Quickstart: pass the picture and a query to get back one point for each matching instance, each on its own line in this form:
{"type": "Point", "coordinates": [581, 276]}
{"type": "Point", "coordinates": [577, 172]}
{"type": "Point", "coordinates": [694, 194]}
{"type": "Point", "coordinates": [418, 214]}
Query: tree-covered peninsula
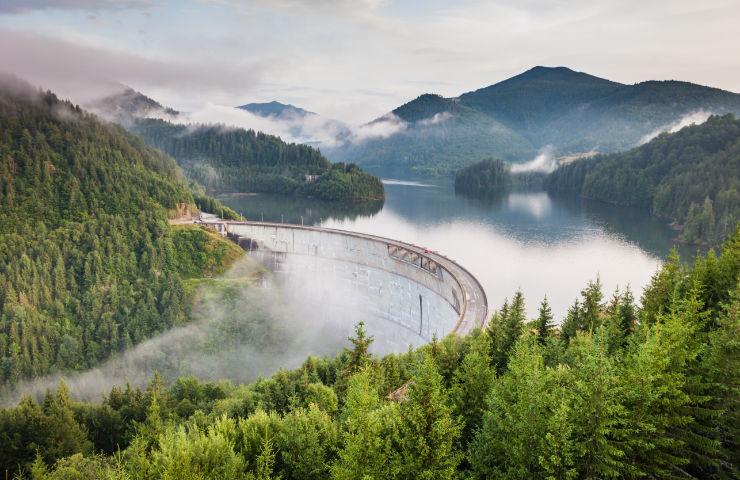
{"type": "Point", "coordinates": [89, 265]}
{"type": "Point", "coordinates": [691, 177]}
{"type": "Point", "coordinates": [236, 160]}
{"type": "Point", "coordinates": [492, 174]}
{"type": "Point", "coordinates": [619, 390]}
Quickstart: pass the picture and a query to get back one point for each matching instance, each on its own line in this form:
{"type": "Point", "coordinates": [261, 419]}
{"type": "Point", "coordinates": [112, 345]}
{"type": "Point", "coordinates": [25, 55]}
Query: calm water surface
{"type": "Point", "coordinates": [542, 243]}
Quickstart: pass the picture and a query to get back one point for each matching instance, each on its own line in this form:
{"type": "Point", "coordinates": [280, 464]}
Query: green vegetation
{"type": "Point", "coordinates": [208, 253]}
{"type": "Point", "coordinates": [492, 174]}
{"type": "Point", "coordinates": [482, 176]}
{"type": "Point", "coordinates": [691, 176]}
{"type": "Point", "coordinates": [572, 112]}
{"type": "Point", "coordinates": [619, 391]}
{"type": "Point", "coordinates": [89, 264]}
{"type": "Point", "coordinates": [439, 137]}
{"type": "Point", "coordinates": [238, 160]}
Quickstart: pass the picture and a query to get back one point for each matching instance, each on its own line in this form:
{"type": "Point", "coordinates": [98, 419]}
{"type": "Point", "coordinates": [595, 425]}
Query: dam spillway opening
{"type": "Point", "coordinates": [405, 295]}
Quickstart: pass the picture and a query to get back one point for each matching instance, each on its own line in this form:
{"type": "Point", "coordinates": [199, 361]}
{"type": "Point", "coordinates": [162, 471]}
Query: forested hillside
{"type": "Point", "coordinates": [439, 136]}
{"type": "Point", "coordinates": [236, 160]}
{"type": "Point", "coordinates": [492, 174]}
{"type": "Point", "coordinates": [558, 108]}
{"type": "Point", "coordinates": [691, 176]}
{"type": "Point", "coordinates": [618, 391]}
{"type": "Point", "coordinates": [89, 264]}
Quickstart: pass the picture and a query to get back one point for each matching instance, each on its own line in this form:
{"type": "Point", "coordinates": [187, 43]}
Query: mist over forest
{"type": "Point", "coordinates": [369, 239]}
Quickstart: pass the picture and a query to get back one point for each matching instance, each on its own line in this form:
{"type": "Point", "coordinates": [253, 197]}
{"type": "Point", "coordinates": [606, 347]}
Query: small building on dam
{"type": "Point", "coordinates": [405, 294]}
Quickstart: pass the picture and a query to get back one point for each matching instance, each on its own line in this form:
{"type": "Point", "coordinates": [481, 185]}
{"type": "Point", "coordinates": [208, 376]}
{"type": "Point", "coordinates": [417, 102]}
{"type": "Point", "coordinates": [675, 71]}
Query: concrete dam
{"type": "Point", "coordinates": [405, 294]}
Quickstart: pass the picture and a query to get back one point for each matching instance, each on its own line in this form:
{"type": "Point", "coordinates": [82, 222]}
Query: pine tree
{"type": "Point", "coordinates": [572, 324]}
{"type": "Point", "coordinates": [64, 436]}
{"type": "Point", "coordinates": [654, 381]}
{"type": "Point", "coordinates": [597, 427]}
{"type": "Point", "coordinates": [307, 444]}
{"type": "Point", "coordinates": [370, 434]}
{"type": "Point", "coordinates": [472, 382]}
{"type": "Point", "coordinates": [505, 329]}
{"type": "Point", "coordinates": [558, 455]}
{"type": "Point", "coordinates": [591, 307]}
{"type": "Point", "coordinates": [428, 430]}
{"type": "Point", "coordinates": [544, 322]}
{"type": "Point", "coordinates": [627, 313]}
{"type": "Point", "coordinates": [721, 365]}
{"type": "Point", "coordinates": [359, 357]}
{"type": "Point", "coordinates": [513, 431]}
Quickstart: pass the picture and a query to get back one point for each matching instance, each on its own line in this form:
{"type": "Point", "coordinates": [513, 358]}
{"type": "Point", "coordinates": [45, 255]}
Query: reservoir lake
{"type": "Point", "coordinates": [536, 241]}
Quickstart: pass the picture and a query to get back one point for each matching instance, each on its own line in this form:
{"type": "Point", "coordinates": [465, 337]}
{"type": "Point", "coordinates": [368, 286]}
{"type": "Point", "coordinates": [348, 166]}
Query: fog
{"type": "Point", "coordinates": [241, 330]}
{"type": "Point", "coordinates": [292, 127]}
{"type": "Point", "coordinates": [693, 118]}
{"type": "Point", "coordinates": [542, 163]}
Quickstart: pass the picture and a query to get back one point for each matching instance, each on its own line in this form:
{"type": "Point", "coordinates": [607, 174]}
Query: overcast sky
{"type": "Point", "coordinates": [355, 60]}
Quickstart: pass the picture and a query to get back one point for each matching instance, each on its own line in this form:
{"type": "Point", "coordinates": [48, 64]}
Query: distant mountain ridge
{"type": "Point", "coordinates": [568, 111]}
{"type": "Point", "coordinates": [565, 111]}
{"type": "Point", "coordinates": [275, 109]}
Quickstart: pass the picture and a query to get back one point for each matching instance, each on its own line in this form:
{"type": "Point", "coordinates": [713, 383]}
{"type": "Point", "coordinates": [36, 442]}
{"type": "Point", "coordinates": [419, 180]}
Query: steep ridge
{"type": "Point", "coordinates": [89, 264]}
{"type": "Point", "coordinates": [691, 176]}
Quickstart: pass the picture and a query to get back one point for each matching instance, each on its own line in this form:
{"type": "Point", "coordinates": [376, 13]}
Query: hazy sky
{"type": "Point", "coordinates": [356, 59]}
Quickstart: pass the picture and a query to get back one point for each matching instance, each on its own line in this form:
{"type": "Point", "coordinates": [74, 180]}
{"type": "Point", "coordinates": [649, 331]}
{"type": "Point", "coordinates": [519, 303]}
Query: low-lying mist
{"type": "Point", "coordinates": [309, 129]}
{"type": "Point", "coordinates": [246, 324]}
{"type": "Point", "coordinates": [693, 118]}
{"type": "Point", "coordinates": [542, 163]}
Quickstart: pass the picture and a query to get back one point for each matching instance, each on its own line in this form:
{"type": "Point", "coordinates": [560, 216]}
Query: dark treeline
{"type": "Point", "coordinates": [237, 160]}
{"type": "Point", "coordinates": [88, 262]}
{"type": "Point", "coordinates": [619, 391]}
{"type": "Point", "coordinates": [691, 176]}
{"type": "Point", "coordinates": [492, 174]}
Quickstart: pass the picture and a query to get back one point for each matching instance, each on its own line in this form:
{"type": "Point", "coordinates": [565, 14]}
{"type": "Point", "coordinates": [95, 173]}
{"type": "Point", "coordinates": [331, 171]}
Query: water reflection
{"type": "Point", "coordinates": [293, 209]}
{"type": "Point", "coordinates": [528, 239]}
{"type": "Point", "coordinates": [536, 205]}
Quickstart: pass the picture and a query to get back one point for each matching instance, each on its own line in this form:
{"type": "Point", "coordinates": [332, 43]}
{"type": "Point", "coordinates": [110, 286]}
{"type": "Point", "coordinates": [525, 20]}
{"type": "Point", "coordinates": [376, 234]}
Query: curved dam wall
{"type": "Point", "coordinates": [404, 294]}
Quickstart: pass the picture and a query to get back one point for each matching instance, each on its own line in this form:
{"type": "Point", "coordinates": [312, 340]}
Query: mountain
{"type": "Point", "coordinates": [275, 109]}
{"type": "Point", "coordinates": [567, 111]}
{"type": "Point", "coordinates": [432, 135]}
{"type": "Point", "coordinates": [536, 96]}
{"type": "Point", "coordinates": [299, 125]}
{"type": "Point", "coordinates": [691, 176]}
{"type": "Point", "coordinates": [128, 104]}
{"type": "Point", "coordinates": [89, 264]}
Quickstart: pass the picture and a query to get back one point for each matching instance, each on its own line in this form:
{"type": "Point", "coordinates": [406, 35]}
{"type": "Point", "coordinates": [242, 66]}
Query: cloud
{"type": "Point", "coordinates": [693, 118]}
{"type": "Point", "coordinates": [384, 127]}
{"type": "Point", "coordinates": [240, 331]}
{"type": "Point", "coordinates": [345, 8]}
{"type": "Point", "coordinates": [438, 118]}
{"type": "Point", "coordinates": [27, 6]}
{"type": "Point", "coordinates": [293, 128]}
{"type": "Point", "coordinates": [542, 163]}
{"type": "Point", "coordinates": [83, 73]}
{"type": "Point", "coordinates": [308, 129]}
